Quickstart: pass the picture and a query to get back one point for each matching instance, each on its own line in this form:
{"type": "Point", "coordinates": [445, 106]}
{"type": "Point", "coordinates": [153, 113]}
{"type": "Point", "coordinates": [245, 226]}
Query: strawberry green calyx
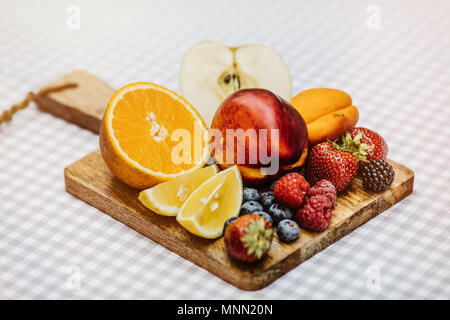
{"type": "Point", "coordinates": [353, 146]}
{"type": "Point", "coordinates": [257, 238]}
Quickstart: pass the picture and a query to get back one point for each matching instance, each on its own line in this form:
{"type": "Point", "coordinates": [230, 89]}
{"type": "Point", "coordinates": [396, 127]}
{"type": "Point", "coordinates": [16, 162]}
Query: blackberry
{"type": "Point", "coordinates": [377, 175]}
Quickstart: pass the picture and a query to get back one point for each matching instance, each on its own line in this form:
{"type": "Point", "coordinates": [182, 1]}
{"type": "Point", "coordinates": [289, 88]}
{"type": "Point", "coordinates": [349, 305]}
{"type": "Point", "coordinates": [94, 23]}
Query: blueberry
{"type": "Point", "coordinates": [250, 207]}
{"type": "Point", "coordinates": [279, 212]}
{"type": "Point", "coordinates": [227, 223]}
{"type": "Point", "coordinates": [265, 215]}
{"type": "Point", "coordinates": [267, 199]}
{"type": "Point", "coordinates": [288, 230]}
{"type": "Point", "coordinates": [250, 194]}
{"type": "Point", "coordinates": [272, 186]}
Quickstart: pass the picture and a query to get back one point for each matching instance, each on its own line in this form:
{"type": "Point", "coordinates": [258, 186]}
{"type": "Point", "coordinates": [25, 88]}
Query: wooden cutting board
{"type": "Point", "coordinates": [90, 180]}
{"type": "Point", "coordinates": [83, 105]}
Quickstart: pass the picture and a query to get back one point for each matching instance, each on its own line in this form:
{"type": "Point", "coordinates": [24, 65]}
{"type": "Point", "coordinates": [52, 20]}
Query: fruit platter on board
{"type": "Point", "coordinates": [237, 174]}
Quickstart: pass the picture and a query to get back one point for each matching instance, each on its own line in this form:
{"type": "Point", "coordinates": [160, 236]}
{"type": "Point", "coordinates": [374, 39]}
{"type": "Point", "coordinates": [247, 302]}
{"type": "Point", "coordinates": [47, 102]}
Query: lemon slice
{"type": "Point", "coordinates": [208, 207]}
{"type": "Point", "coordinates": [167, 198]}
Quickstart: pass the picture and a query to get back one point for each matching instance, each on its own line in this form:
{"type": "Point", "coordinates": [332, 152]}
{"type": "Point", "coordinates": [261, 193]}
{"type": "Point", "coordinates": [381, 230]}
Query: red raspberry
{"type": "Point", "coordinates": [324, 187]}
{"type": "Point", "coordinates": [316, 213]}
{"type": "Point", "coordinates": [291, 189]}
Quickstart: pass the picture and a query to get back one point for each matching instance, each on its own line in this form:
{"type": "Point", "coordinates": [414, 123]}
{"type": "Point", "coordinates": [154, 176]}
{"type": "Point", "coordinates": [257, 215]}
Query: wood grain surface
{"type": "Point", "coordinates": [83, 105]}
{"type": "Point", "coordinates": [90, 180]}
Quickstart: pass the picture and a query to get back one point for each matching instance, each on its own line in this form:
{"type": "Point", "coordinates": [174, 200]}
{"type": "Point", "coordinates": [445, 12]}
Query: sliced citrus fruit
{"type": "Point", "coordinates": [150, 134]}
{"type": "Point", "coordinates": [205, 211]}
{"type": "Point", "coordinates": [167, 198]}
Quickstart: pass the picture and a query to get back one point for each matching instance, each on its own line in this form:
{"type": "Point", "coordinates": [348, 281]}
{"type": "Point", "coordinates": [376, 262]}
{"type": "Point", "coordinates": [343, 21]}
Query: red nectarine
{"type": "Point", "coordinates": [260, 132]}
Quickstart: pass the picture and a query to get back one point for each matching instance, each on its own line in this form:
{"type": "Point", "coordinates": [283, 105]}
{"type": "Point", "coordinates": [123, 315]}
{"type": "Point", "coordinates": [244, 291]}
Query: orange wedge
{"type": "Point", "coordinates": [150, 134]}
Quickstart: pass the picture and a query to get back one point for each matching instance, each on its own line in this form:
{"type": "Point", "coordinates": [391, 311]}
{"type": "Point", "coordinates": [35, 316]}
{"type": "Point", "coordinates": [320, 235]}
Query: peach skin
{"type": "Point", "coordinates": [328, 113]}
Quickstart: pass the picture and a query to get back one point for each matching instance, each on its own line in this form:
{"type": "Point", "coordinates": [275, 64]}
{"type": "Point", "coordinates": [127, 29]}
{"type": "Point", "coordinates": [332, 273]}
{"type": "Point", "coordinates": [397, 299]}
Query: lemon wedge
{"type": "Point", "coordinates": [167, 198]}
{"type": "Point", "coordinates": [205, 211]}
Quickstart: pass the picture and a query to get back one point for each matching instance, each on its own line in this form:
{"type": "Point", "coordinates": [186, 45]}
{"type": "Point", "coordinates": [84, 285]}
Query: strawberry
{"type": "Point", "coordinates": [365, 143]}
{"type": "Point", "coordinates": [291, 189]}
{"type": "Point", "coordinates": [248, 237]}
{"type": "Point", "coordinates": [327, 162]}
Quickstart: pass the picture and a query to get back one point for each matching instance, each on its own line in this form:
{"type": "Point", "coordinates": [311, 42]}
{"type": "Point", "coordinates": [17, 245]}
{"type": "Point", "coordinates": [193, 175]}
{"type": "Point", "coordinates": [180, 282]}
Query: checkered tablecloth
{"type": "Point", "coordinates": [393, 57]}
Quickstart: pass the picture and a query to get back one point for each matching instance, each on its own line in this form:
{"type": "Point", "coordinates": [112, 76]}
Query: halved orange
{"type": "Point", "coordinates": [150, 134]}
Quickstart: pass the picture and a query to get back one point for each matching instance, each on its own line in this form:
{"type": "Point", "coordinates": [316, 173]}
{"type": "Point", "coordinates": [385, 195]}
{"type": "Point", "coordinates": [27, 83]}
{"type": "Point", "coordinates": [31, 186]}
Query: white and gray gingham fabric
{"type": "Point", "coordinates": [393, 57]}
